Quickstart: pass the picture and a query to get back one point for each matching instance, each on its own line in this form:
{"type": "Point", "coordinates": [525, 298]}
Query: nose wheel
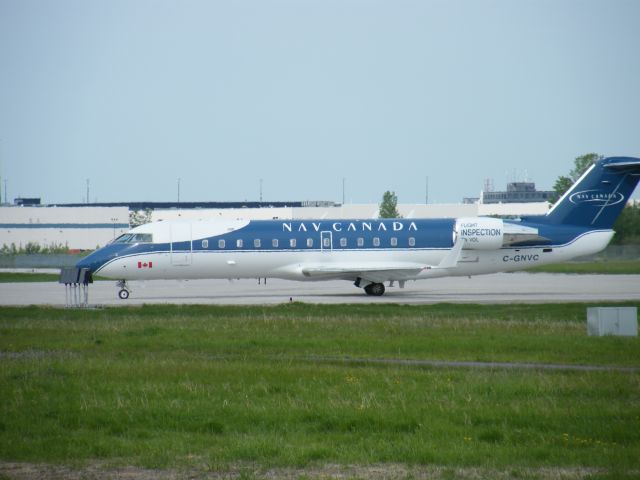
{"type": "Point", "coordinates": [124, 291]}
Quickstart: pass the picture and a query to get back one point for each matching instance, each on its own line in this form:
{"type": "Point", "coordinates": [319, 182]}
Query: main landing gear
{"type": "Point", "coordinates": [124, 291]}
{"type": "Point", "coordinates": [374, 289]}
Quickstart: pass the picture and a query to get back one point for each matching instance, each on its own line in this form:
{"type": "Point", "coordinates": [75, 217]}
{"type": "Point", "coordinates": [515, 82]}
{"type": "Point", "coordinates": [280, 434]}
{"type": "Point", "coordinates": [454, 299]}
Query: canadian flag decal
{"type": "Point", "coordinates": [145, 264]}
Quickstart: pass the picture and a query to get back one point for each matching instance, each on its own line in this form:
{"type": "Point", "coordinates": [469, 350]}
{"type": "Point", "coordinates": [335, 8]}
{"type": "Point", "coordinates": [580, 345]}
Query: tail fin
{"type": "Point", "coordinates": [599, 195]}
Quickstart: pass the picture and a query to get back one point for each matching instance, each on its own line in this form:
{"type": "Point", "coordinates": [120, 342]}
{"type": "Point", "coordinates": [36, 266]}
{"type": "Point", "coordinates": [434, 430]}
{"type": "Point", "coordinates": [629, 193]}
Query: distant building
{"type": "Point", "coordinates": [517, 192]}
{"type": "Point", "coordinates": [76, 228]}
{"type": "Point", "coordinates": [136, 206]}
{"type": "Point", "coordinates": [27, 202]}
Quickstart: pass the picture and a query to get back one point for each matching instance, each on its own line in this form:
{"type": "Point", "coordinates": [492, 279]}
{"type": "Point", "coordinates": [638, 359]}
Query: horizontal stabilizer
{"type": "Point", "coordinates": [632, 165]}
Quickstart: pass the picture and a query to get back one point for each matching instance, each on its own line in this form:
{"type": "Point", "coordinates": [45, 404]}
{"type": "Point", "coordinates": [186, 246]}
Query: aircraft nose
{"type": "Point", "coordinates": [87, 263]}
{"type": "Point", "coordinates": [94, 261]}
{"type": "Point", "coordinates": [103, 257]}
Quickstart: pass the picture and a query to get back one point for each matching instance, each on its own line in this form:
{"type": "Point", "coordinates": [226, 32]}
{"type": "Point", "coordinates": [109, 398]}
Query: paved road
{"type": "Point", "coordinates": [497, 288]}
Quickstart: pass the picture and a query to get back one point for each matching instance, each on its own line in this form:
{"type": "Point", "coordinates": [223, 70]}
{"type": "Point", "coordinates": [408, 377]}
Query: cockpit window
{"type": "Point", "coordinates": [134, 238]}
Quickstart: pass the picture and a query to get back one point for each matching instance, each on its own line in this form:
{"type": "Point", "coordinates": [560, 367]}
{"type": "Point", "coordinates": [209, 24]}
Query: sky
{"type": "Point", "coordinates": [305, 96]}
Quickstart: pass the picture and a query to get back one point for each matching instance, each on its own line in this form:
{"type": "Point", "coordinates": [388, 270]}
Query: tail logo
{"type": "Point", "coordinates": [596, 198]}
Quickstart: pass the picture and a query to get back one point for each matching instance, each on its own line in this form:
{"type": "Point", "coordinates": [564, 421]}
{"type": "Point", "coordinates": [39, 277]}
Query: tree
{"type": "Point", "coordinates": [388, 207]}
{"type": "Point", "coordinates": [627, 226]}
{"type": "Point", "coordinates": [139, 217]}
{"type": "Point", "coordinates": [562, 185]}
{"type": "Point", "coordinates": [580, 165]}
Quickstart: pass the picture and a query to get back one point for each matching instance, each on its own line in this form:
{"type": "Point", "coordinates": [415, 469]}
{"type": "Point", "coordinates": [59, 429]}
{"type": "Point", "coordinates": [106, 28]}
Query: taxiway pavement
{"type": "Point", "coordinates": [518, 287]}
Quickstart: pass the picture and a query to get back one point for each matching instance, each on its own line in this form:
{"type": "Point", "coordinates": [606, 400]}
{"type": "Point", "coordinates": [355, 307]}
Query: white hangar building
{"type": "Point", "coordinates": [78, 228]}
{"type": "Point", "coordinates": [360, 211]}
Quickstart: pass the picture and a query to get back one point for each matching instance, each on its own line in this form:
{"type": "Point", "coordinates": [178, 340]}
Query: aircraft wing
{"type": "Point", "coordinates": [383, 271]}
{"type": "Point", "coordinates": [378, 273]}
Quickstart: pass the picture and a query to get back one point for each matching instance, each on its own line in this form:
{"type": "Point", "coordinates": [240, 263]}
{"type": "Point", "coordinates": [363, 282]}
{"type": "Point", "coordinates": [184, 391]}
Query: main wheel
{"type": "Point", "coordinates": [375, 289]}
{"type": "Point", "coordinates": [123, 294]}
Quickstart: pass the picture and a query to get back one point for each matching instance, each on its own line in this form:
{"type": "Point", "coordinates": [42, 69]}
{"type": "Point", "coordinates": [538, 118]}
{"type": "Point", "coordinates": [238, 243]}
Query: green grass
{"type": "Point", "coordinates": [25, 277]}
{"type": "Point", "coordinates": [212, 387]}
{"type": "Point", "coordinates": [14, 277]}
{"type": "Point", "coordinates": [629, 267]}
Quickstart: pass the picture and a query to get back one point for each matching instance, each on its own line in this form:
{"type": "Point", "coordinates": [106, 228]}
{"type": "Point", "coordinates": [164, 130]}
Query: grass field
{"type": "Point", "coordinates": [26, 277]}
{"type": "Point", "coordinates": [627, 267]}
{"type": "Point", "coordinates": [214, 388]}
{"type": "Point", "coordinates": [13, 277]}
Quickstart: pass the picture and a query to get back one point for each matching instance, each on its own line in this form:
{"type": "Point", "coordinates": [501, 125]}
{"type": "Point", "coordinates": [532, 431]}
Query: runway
{"type": "Point", "coordinates": [518, 287]}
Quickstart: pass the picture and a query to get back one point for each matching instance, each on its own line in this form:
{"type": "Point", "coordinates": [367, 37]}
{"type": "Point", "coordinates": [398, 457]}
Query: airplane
{"type": "Point", "coordinates": [370, 252]}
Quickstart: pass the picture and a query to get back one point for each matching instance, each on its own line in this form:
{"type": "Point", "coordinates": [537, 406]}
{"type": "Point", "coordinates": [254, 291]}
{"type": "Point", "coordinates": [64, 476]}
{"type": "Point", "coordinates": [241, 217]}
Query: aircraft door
{"type": "Point", "coordinates": [181, 244]}
{"type": "Point", "coordinates": [326, 241]}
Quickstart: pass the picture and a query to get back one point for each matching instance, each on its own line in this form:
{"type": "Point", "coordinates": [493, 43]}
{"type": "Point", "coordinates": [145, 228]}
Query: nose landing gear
{"type": "Point", "coordinates": [124, 291]}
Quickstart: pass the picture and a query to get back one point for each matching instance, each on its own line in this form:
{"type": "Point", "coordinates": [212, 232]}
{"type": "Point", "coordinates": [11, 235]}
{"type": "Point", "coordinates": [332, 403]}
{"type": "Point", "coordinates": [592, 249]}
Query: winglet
{"type": "Point", "coordinates": [451, 259]}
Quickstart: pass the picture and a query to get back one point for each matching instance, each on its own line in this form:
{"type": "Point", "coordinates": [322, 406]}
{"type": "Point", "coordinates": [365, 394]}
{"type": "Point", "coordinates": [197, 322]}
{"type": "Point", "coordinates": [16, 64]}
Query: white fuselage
{"type": "Point", "coordinates": [291, 264]}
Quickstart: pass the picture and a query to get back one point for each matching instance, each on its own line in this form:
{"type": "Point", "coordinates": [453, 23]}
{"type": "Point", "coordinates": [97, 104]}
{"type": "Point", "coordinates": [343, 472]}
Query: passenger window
{"type": "Point", "coordinates": [221, 243]}
{"type": "Point", "coordinates": [256, 242]}
{"type": "Point", "coordinates": [360, 242]}
{"type": "Point", "coordinates": [376, 241]}
{"type": "Point", "coordinates": [412, 242]}
{"type": "Point", "coordinates": [343, 242]}
{"type": "Point", "coordinates": [274, 243]}
{"type": "Point", "coordinates": [394, 242]}
{"type": "Point", "coordinates": [239, 243]}
{"type": "Point", "coordinates": [309, 242]}
{"type": "Point", "coordinates": [326, 242]}
{"type": "Point", "coordinates": [205, 244]}
{"type": "Point", "coordinates": [292, 242]}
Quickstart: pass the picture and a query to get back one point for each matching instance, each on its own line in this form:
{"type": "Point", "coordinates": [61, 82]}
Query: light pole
{"type": "Point", "coordinates": [426, 191]}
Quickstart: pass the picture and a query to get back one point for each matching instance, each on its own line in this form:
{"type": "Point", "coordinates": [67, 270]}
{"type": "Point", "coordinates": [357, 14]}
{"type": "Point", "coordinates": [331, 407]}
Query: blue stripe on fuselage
{"type": "Point", "coordinates": [426, 234]}
{"type": "Point", "coordinates": [433, 234]}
